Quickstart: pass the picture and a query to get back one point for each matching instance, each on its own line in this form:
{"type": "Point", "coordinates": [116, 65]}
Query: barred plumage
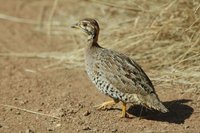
{"type": "Point", "coordinates": [115, 74]}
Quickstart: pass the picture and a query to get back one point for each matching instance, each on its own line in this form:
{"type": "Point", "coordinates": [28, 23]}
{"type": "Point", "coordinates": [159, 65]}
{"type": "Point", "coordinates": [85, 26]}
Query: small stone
{"type": "Point", "coordinates": [81, 122]}
{"type": "Point", "coordinates": [23, 102]}
{"type": "Point", "coordinates": [39, 110]}
{"type": "Point", "coordinates": [60, 112]}
{"type": "Point", "coordinates": [95, 129]}
{"type": "Point", "coordinates": [114, 130]}
{"type": "Point", "coordinates": [50, 129]}
{"type": "Point", "coordinates": [79, 105]}
{"type": "Point", "coordinates": [10, 109]}
{"type": "Point", "coordinates": [86, 113]}
{"type": "Point", "coordinates": [15, 98]}
{"type": "Point", "coordinates": [1, 126]}
{"type": "Point", "coordinates": [29, 131]}
{"type": "Point", "coordinates": [58, 125]}
{"type": "Point", "coordinates": [86, 128]}
{"type": "Point", "coordinates": [187, 126]}
{"type": "Point", "coordinates": [18, 113]}
{"type": "Point", "coordinates": [71, 111]}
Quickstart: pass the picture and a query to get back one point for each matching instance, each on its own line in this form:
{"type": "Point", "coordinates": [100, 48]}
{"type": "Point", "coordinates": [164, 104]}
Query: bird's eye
{"type": "Point", "coordinates": [84, 24]}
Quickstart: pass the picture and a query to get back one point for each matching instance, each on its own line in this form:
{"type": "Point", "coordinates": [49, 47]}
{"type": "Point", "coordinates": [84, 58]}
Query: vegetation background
{"type": "Point", "coordinates": [44, 87]}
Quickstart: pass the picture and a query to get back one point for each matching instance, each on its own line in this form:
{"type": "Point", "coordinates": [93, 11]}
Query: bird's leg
{"type": "Point", "coordinates": [124, 114]}
{"type": "Point", "coordinates": [111, 102]}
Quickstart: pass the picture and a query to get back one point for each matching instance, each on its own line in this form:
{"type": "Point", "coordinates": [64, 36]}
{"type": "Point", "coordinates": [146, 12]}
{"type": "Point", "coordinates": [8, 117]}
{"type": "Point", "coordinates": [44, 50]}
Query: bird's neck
{"type": "Point", "coordinates": [92, 41]}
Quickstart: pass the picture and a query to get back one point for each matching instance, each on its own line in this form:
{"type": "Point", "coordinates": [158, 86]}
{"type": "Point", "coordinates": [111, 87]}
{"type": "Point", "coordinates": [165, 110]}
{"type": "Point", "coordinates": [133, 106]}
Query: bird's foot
{"type": "Point", "coordinates": [104, 104]}
{"type": "Point", "coordinates": [124, 114]}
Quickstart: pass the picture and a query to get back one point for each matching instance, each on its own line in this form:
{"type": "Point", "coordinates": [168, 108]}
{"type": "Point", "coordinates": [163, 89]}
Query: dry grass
{"type": "Point", "coordinates": [163, 36]}
{"type": "Point", "coordinates": [30, 111]}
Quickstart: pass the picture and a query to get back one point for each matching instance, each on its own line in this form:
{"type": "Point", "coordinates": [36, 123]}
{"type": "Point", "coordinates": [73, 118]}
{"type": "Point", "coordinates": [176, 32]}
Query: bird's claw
{"type": "Point", "coordinates": [100, 106]}
{"type": "Point", "coordinates": [103, 105]}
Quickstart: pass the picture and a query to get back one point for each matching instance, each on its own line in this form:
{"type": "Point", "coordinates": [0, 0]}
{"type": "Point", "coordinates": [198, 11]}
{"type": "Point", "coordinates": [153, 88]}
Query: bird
{"type": "Point", "coordinates": [115, 74]}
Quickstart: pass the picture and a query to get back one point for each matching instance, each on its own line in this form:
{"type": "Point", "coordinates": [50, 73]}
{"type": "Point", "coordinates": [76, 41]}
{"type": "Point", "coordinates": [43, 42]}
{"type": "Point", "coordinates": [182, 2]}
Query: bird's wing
{"type": "Point", "coordinates": [124, 73]}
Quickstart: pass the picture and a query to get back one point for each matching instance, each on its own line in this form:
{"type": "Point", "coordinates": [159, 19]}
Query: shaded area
{"type": "Point", "coordinates": [179, 112]}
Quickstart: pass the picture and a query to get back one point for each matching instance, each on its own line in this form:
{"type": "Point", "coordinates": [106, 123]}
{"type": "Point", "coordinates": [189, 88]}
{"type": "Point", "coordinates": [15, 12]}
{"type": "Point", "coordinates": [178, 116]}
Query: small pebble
{"type": "Point", "coordinates": [1, 126]}
{"type": "Point", "coordinates": [61, 112]}
{"type": "Point", "coordinates": [86, 128]}
{"type": "Point", "coordinates": [79, 105]}
{"type": "Point", "coordinates": [95, 129]}
{"type": "Point", "coordinates": [18, 113]}
{"type": "Point", "coordinates": [23, 102]}
{"type": "Point", "coordinates": [15, 98]}
{"type": "Point", "coordinates": [10, 109]}
{"type": "Point", "coordinates": [86, 113]}
{"type": "Point", "coordinates": [81, 122]}
{"type": "Point", "coordinates": [187, 126]}
{"type": "Point", "coordinates": [29, 131]}
{"type": "Point", "coordinates": [58, 125]}
{"type": "Point", "coordinates": [50, 129]}
{"type": "Point", "coordinates": [39, 110]}
{"type": "Point", "coordinates": [114, 130]}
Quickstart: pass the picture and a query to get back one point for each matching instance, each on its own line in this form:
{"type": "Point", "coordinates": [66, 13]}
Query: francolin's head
{"type": "Point", "coordinates": [89, 26]}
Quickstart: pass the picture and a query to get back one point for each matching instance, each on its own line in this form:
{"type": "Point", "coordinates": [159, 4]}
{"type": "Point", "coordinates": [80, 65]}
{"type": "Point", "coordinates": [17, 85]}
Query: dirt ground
{"type": "Point", "coordinates": [35, 98]}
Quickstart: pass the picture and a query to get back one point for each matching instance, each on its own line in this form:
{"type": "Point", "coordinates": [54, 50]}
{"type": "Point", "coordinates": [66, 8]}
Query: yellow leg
{"type": "Point", "coordinates": [124, 114]}
{"type": "Point", "coordinates": [100, 106]}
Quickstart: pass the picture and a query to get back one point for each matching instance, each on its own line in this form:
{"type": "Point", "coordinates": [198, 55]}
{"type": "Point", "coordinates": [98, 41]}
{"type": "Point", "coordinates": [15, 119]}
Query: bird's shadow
{"type": "Point", "coordinates": [178, 112]}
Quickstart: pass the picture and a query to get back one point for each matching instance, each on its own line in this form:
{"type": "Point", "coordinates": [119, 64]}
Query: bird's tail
{"type": "Point", "coordinates": [152, 101]}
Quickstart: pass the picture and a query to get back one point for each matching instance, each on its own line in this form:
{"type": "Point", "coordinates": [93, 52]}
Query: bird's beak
{"type": "Point", "coordinates": [76, 26]}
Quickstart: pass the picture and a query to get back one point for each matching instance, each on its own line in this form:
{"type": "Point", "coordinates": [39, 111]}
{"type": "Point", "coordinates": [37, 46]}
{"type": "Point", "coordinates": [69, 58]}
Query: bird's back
{"type": "Point", "coordinates": [120, 77]}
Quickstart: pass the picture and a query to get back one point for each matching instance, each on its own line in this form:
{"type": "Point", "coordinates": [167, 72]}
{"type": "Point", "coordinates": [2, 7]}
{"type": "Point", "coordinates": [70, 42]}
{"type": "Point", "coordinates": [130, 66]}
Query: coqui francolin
{"type": "Point", "coordinates": [115, 74]}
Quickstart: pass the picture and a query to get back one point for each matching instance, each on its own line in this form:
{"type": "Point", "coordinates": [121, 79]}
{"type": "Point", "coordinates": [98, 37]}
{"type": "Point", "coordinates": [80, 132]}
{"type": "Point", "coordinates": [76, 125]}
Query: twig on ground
{"type": "Point", "coordinates": [29, 111]}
